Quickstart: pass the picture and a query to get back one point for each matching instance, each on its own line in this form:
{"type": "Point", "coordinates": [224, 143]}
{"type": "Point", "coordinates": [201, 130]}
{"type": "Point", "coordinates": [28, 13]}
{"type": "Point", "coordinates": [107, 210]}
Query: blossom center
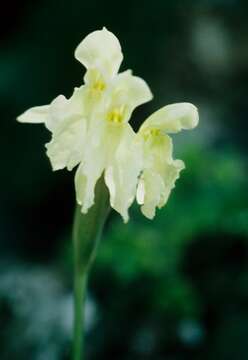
{"type": "Point", "coordinates": [116, 115]}
{"type": "Point", "coordinates": [152, 133]}
{"type": "Point", "coordinates": [98, 85]}
{"type": "Point", "coordinates": [95, 81]}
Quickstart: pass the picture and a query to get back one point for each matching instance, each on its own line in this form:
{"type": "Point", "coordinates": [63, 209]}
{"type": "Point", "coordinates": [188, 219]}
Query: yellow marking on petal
{"type": "Point", "coordinates": [116, 115]}
{"type": "Point", "coordinates": [99, 85]}
{"type": "Point", "coordinates": [152, 134]}
{"type": "Point", "coordinates": [95, 81]}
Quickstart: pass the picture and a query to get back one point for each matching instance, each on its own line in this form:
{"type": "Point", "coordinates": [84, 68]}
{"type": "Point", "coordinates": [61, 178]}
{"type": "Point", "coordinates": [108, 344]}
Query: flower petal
{"type": "Point", "coordinates": [157, 151]}
{"type": "Point", "coordinates": [68, 125]}
{"type": "Point", "coordinates": [87, 176]}
{"type": "Point", "coordinates": [100, 50]}
{"type": "Point", "coordinates": [121, 176]}
{"type": "Point", "coordinates": [159, 174]}
{"type": "Point", "coordinates": [35, 115]}
{"type": "Point", "coordinates": [101, 147]}
{"type": "Point", "coordinates": [154, 188]}
{"type": "Point", "coordinates": [128, 92]}
{"type": "Point", "coordinates": [173, 118]}
{"type": "Point", "coordinates": [151, 186]}
{"type": "Point", "coordinates": [131, 89]}
{"type": "Point", "coordinates": [55, 113]}
{"type": "Point", "coordinates": [171, 174]}
{"type": "Point", "coordinates": [62, 109]}
{"type": "Point", "coordinates": [66, 148]}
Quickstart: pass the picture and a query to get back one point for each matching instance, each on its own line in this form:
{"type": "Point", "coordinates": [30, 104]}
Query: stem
{"type": "Point", "coordinates": [87, 229]}
{"type": "Point", "coordinates": [80, 281]}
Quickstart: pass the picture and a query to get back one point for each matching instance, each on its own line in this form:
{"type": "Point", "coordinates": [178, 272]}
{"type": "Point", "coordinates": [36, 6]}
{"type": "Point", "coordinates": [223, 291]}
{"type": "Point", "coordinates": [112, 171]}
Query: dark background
{"type": "Point", "coordinates": [174, 288]}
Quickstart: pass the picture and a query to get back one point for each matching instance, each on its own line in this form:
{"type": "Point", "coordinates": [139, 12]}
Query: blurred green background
{"type": "Point", "coordinates": [174, 288]}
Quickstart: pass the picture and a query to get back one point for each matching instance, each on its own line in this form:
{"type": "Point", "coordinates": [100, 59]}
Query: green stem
{"type": "Point", "coordinates": [87, 229]}
{"type": "Point", "coordinates": [80, 281]}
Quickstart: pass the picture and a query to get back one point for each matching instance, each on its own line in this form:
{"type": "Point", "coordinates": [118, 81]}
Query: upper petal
{"type": "Point", "coordinates": [127, 92]}
{"type": "Point", "coordinates": [131, 89]}
{"type": "Point", "coordinates": [100, 50]}
{"type": "Point", "coordinates": [173, 118]}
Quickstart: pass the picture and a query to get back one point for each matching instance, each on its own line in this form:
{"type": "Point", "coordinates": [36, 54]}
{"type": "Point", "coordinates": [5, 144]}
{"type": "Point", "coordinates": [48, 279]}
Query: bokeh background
{"type": "Point", "coordinates": [174, 288]}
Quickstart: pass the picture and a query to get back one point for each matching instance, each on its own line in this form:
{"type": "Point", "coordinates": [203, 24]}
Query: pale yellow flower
{"type": "Point", "coordinates": [91, 127]}
{"type": "Point", "coordinates": [159, 170]}
{"type": "Point", "coordinates": [108, 132]}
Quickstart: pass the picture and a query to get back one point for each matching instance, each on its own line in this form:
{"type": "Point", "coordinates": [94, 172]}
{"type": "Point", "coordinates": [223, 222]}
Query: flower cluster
{"type": "Point", "coordinates": [91, 130]}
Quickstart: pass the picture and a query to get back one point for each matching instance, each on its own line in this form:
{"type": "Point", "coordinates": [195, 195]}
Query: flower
{"type": "Point", "coordinates": [91, 130]}
{"type": "Point", "coordinates": [160, 171]}
{"type": "Point", "coordinates": [107, 133]}
{"type": "Point", "coordinates": [144, 166]}
{"type": "Point", "coordinates": [91, 127]}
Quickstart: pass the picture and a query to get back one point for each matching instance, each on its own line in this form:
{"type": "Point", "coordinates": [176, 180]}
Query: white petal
{"type": "Point", "coordinates": [153, 187]}
{"type": "Point", "coordinates": [173, 118]}
{"type": "Point", "coordinates": [160, 172]}
{"type": "Point", "coordinates": [54, 114]}
{"type": "Point", "coordinates": [126, 93]}
{"type": "Point", "coordinates": [157, 186]}
{"type": "Point", "coordinates": [95, 89]}
{"type": "Point", "coordinates": [35, 115]}
{"type": "Point", "coordinates": [129, 89]}
{"type": "Point", "coordinates": [100, 50]}
{"type": "Point", "coordinates": [171, 174]}
{"type": "Point", "coordinates": [68, 125]}
{"type": "Point", "coordinates": [67, 146]}
{"type": "Point", "coordinates": [140, 196]}
{"type": "Point", "coordinates": [121, 176]}
{"type": "Point", "coordinates": [100, 150]}
{"type": "Point", "coordinates": [93, 165]}
{"type": "Point", "coordinates": [157, 151]}
{"type": "Point", "coordinates": [87, 175]}
{"type": "Point", "coordinates": [62, 109]}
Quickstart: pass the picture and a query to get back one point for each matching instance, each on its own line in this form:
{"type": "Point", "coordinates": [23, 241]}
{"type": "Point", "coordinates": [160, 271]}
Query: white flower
{"type": "Point", "coordinates": [160, 171]}
{"type": "Point", "coordinates": [91, 128]}
{"type": "Point", "coordinates": [108, 130]}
